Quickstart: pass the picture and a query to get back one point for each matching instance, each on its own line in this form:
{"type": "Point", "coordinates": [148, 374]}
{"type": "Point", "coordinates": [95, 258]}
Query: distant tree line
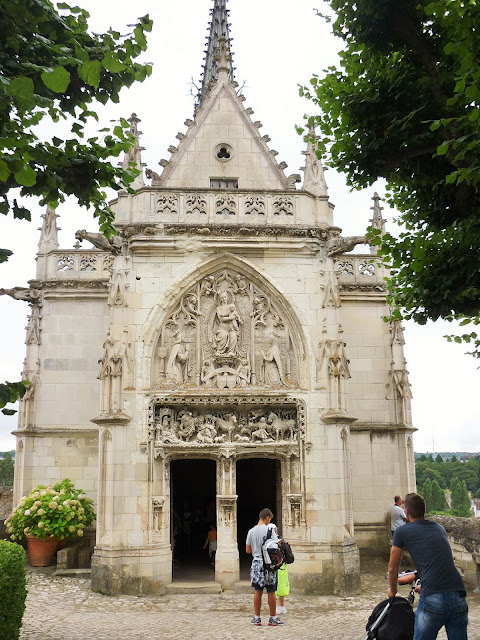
{"type": "Point", "coordinates": [7, 467]}
{"type": "Point", "coordinates": [436, 476]}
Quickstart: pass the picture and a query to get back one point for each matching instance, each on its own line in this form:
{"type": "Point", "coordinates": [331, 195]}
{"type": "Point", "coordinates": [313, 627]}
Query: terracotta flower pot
{"type": "Point", "coordinates": [41, 553]}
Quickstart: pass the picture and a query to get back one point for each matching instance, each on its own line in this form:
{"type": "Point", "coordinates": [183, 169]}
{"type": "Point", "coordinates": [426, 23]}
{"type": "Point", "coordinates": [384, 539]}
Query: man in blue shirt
{"type": "Point", "coordinates": [442, 597]}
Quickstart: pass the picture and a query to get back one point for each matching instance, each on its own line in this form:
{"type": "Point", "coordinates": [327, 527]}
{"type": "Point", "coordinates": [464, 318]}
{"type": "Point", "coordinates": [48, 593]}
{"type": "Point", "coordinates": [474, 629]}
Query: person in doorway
{"type": "Point", "coordinates": [442, 596]}
{"type": "Point", "coordinates": [397, 514]}
{"type": "Point", "coordinates": [211, 541]}
{"type": "Point", "coordinates": [262, 579]}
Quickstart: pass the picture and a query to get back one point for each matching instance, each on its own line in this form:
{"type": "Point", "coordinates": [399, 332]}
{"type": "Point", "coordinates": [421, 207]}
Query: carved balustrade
{"type": "Point", "coordinates": [212, 206]}
{"type": "Point", "coordinates": [356, 272]}
{"type": "Point", "coordinates": [78, 264]}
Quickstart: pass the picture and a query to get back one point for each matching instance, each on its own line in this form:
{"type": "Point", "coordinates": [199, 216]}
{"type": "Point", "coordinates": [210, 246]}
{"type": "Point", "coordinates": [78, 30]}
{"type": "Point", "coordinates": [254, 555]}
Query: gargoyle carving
{"type": "Point", "coordinates": [337, 244]}
{"type": "Point", "coordinates": [22, 293]}
{"type": "Point", "coordinates": [100, 241]}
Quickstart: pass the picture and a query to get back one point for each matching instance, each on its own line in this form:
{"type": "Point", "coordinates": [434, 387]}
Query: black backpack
{"type": "Point", "coordinates": [287, 552]}
{"type": "Point", "coordinates": [397, 624]}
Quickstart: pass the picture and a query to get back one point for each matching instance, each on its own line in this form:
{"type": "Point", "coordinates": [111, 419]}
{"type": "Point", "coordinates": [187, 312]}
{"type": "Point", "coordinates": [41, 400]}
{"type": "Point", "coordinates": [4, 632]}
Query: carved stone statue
{"type": "Point", "coordinates": [22, 293]}
{"type": "Point", "coordinates": [292, 180]}
{"type": "Point", "coordinates": [177, 365]}
{"type": "Point", "coordinates": [225, 327]}
{"type": "Point", "coordinates": [100, 241]}
{"type": "Point", "coordinates": [272, 363]}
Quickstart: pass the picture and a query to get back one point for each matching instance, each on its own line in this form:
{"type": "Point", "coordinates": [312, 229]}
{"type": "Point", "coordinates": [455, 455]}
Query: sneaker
{"type": "Point", "coordinates": [275, 622]}
{"type": "Point", "coordinates": [281, 609]}
{"type": "Point", "coordinates": [256, 621]}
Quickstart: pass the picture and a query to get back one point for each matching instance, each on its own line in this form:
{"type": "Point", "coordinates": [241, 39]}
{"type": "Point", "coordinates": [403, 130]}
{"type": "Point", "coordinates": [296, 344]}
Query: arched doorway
{"type": "Point", "coordinates": [258, 487]}
{"type": "Point", "coordinates": [193, 508]}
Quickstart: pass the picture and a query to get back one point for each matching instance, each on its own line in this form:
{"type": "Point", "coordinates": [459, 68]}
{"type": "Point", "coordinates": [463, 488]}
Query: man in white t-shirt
{"type": "Point", "coordinates": [261, 578]}
{"type": "Point", "coordinates": [397, 514]}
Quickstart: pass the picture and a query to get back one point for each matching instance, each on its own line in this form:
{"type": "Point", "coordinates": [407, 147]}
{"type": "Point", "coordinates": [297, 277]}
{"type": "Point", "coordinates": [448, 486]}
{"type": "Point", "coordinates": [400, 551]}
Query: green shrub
{"type": "Point", "coordinates": [13, 590]}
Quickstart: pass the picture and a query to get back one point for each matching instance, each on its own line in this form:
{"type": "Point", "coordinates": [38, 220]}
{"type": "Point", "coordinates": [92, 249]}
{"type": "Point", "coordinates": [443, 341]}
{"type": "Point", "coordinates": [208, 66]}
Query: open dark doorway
{"type": "Point", "coordinates": [193, 508]}
{"type": "Point", "coordinates": [258, 487]}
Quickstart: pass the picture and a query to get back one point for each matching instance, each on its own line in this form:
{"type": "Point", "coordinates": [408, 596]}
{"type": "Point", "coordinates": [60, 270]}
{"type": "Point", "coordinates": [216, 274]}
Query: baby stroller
{"type": "Point", "coordinates": [393, 619]}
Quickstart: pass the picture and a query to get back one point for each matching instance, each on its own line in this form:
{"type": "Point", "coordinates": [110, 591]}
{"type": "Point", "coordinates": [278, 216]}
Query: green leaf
{"type": "Point", "coordinates": [56, 80]}
{"type": "Point", "coordinates": [90, 72]}
{"type": "Point", "coordinates": [112, 63]}
{"type": "Point", "coordinates": [4, 171]}
{"type": "Point", "coordinates": [22, 91]}
{"type": "Point", "coordinates": [140, 37]}
{"type": "Point", "coordinates": [26, 176]}
{"type": "Point", "coordinates": [442, 149]}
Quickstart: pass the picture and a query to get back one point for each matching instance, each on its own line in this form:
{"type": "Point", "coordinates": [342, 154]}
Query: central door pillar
{"type": "Point", "coordinates": [226, 561]}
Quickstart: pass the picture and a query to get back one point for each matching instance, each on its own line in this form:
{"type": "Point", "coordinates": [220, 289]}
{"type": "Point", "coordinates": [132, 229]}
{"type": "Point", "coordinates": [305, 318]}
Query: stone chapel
{"type": "Point", "coordinates": [223, 353]}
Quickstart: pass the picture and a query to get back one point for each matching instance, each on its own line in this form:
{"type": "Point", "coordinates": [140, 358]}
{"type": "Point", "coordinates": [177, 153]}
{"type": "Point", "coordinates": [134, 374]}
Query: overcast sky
{"type": "Point", "coordinates": [277, 44]}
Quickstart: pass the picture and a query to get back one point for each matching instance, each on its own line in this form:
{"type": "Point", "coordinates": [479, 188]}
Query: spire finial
{"type": "Point", "coordinates": [48, 231]}
{"type": "Point", "coordinates": [377, 221]}
{"type": "Point", "coordinates": [218, 56]}
{"type": "Point", "coordinates": [314, 176]}
{"type": "Point", "coordinates": [133, 155]}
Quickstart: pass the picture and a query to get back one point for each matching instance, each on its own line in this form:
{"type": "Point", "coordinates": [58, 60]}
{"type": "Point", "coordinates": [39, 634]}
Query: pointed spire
{"type": "Point", "coordinates": [218, 56]}
{"type": "Point", "coordinates": [134, 153]}
{"type": "Point", "coordinates": [48, 232]}
{"type": "Point", "coordinates": [314, 176]}
{"type": "Point", "coordinates": [377, 221]}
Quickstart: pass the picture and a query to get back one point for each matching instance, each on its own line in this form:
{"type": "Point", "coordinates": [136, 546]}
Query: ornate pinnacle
{"type": "Point", "coordinates": [48, 232]}
{"type": "Point", "coordinates": [377, 221]}
{"type": "Point", "coordinates": [134, 154]}
{"type": "Point", "coordinates": [314, 177]}
{"type": "Point", "coordinates": [218, 56]}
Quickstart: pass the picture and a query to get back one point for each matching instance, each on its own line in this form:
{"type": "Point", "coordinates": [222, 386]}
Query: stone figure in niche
{"type": "Point", "coordinates": [177, 365]}
{"type": "Point", "coordinates": [206, 433]}
{"type": "Point", "coordinates": [167, 431]}
{"type": "Point", "coordinates": [225, 327]}
{"type": "Point", "coordinates": [261, 432]}
{"type": "Point", "coordinates": [186, 428]}
{"type": "Point", "coordinates": [272, 364]}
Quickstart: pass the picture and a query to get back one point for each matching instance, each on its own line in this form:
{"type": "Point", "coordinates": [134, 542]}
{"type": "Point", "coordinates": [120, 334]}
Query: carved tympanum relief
{"type": "Point", "coordinates": [225, 333]}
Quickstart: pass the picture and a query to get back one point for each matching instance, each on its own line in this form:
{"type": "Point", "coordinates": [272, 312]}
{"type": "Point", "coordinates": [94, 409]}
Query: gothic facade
{"type": "Point", "coordinates": [227, 322]}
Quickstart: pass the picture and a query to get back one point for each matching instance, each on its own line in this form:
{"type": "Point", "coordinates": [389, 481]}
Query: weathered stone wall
{"type": "Point", "coordinates": [6, 506]}
{"type": "Point", "coordinates": [464, 537]}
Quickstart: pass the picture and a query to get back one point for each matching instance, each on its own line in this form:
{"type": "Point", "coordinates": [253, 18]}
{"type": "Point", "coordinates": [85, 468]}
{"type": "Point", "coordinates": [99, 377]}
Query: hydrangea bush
{"type": "Point", "coordinates": [59, 510]}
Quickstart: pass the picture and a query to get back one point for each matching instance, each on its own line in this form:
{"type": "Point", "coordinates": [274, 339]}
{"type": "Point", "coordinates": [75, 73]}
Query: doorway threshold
{"type": "Point", "coordinates": [186, 587]}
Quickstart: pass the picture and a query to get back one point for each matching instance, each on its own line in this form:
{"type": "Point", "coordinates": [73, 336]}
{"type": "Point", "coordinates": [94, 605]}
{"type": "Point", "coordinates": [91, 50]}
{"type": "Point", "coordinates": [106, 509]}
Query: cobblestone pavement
{"type": "Point", "coordinates": [60, 608]}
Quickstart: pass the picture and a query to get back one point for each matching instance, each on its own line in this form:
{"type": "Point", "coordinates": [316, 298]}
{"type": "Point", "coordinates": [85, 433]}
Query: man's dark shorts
{"type": "Point", "coordinates": [271, 588]}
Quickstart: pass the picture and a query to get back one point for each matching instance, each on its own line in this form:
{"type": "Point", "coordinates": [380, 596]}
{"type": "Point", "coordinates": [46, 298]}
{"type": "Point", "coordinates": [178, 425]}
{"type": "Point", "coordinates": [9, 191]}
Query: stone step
{"type": "Point", "coordinates": [73, 573]}
{"type": "Point", "coordinates": [243, 586]}
{"type": "Point", "coordinates": [193, 587]}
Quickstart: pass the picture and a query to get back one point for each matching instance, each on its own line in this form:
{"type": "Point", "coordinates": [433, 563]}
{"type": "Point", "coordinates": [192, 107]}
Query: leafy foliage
{"type": "Point", "coordinates": [11, 392]}
{"type": "Point", "coordinates": [13, 589]}
{"type": "Point", "coordinates": [404, 105]}
{"type": "Point", "coordinates": [61, 511]}
{"type": "Point", "coordinates": [434, 478]}
{"type": "Point", "coordinates": [52, 69]}
{"type": "Point", "coordinates": [7, 468]}
{"type": "Point", "coordinates": [460, 502]}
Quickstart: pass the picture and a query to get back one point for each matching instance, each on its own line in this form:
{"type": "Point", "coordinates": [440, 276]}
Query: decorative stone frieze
{"type": "Point", "coordinates": [167, 203]}
{"type": "Point", "coordinates": [283, 206]}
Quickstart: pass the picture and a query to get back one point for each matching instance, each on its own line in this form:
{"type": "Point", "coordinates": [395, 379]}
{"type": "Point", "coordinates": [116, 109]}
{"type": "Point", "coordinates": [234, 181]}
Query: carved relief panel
{"type": "Point", "coordinates": [225, 333]}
